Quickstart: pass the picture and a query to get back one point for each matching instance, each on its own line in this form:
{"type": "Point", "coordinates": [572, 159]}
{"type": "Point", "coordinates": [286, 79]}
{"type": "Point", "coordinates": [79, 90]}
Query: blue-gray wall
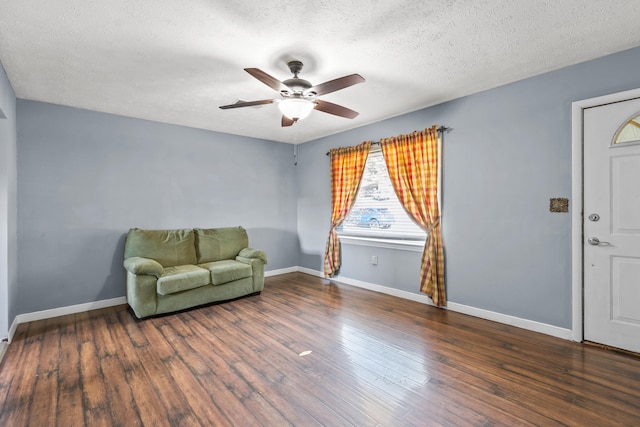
{"type": "Point", "coordinates": [8, 205]}
{"type": "Point", "coordinates": [508, 154]}
{"type": "Point", "coordinates": [85, 178]}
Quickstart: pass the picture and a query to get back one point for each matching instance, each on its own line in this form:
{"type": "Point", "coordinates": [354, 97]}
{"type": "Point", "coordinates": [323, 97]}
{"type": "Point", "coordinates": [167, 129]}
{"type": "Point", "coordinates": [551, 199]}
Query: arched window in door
{"type": "Point", "coordinates": [629, 132]}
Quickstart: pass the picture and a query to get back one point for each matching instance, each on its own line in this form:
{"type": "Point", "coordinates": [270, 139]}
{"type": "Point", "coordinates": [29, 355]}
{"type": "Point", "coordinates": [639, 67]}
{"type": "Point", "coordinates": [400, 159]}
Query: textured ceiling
{"type": "Point", "coordinates": [177, 62]}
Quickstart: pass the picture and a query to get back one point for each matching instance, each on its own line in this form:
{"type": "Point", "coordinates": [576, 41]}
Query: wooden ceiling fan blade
{"type": "Point", "coordinates": [286, 121]}
{"type": "Point", "coordinates": [336, 84]}
{"type": "Point", "coordinates": [335, 109]}
{"type": "Point", "coordinates": [247, 104]}
{"type": "Point", "coordinates": [267, 79]}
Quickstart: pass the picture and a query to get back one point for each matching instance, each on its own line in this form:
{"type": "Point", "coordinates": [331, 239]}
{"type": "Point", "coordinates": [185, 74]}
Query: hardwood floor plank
{"type": "Point", "coordinates": [229, 406]}
{"type": "Point", "coordinates": [19, 402]}
{"type": "Point", "coordinates": [132, 328]}
{"type": "Point", "coordinates": [83, 327]}
{"type": "Point", "coordinates": [120, 400]}
{"type": "Point", "coordinates": [176, 405]}
{"type": "Point", "coordinates": [69, 402]}
{"type": "Point", "coordinates": [45, 398]}
{"type": "Point", "coordinates": [203, 407]}
{"type": "Point", "coordinates": [95, 406]}
{"type": "Point", "coordinates": [151, 409]}
{"type": "Point", "coordinates": [375, 360]}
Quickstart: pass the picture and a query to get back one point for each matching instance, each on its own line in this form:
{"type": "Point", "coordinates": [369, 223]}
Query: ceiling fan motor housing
{"type": "Point", "coordinates": [295, 67]}
{"type": "Point", "coordinates": [297, 85]}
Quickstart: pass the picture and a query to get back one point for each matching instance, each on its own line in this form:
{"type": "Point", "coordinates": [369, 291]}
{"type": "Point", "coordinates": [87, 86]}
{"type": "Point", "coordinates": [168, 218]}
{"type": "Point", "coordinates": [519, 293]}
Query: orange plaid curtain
{"type": "Point", "coordinates": [412, 161]}
{"type": "Point", "coordinates": [347, 166]}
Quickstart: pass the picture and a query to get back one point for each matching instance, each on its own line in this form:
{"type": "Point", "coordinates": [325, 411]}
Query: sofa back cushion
{"type": "Point", "coordinates": [217, 244]}
{"type": "Point", "coordinates": [168, 247]}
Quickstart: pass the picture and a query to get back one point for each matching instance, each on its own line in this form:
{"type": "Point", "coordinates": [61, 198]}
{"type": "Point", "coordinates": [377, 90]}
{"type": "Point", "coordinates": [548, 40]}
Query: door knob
{"type": "Point", "coordinates": [594, 241]}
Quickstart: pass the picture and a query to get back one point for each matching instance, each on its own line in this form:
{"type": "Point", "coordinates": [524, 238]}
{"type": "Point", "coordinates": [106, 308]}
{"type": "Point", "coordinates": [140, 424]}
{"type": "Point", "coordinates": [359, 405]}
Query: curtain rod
{"type": "Point", "coordinates": [441, 129]}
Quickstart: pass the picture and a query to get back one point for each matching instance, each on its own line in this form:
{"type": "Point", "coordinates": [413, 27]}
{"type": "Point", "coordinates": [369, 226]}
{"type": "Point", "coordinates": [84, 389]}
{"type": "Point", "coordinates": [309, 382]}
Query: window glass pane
{"type": "Point", "coordinates": [377, 212]}
{"type": "Point", "coordinates": [630, 132]}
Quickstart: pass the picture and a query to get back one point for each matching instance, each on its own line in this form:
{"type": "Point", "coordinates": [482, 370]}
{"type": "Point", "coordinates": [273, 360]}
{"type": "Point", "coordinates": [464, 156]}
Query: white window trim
{"type": "Point", "coordinates": [404, 245]}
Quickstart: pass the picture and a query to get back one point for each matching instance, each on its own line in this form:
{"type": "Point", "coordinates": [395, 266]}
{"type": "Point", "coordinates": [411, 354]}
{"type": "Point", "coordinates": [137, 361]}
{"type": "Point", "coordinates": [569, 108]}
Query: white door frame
{"type": "Point", "coordinates": [577, 186]}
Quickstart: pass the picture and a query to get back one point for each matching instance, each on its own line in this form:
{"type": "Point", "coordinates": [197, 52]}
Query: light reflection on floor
{"type": "Point", "coordinates": [393, 371]}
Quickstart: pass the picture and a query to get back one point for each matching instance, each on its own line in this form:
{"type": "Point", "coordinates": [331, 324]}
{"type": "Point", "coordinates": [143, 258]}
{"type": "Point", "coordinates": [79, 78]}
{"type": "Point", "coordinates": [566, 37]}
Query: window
{"type": "Point", "coordinates": [376, 212]}
{"type": "Point", "coordinates": [630, 132]}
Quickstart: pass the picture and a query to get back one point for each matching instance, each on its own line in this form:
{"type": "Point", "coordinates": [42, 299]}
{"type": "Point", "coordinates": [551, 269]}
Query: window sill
{"type": "Point", "coordinates": [404, 245]}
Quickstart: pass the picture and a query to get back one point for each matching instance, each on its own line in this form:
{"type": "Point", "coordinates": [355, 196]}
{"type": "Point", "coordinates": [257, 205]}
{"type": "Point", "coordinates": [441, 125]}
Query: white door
{"type": "Point", "coordinates": [612, 224]}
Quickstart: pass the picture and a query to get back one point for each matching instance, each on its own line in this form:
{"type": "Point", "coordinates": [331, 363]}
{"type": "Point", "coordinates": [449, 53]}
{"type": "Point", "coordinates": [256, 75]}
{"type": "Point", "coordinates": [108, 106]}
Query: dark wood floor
{"type": "Point", "coordinates": [375, 360]}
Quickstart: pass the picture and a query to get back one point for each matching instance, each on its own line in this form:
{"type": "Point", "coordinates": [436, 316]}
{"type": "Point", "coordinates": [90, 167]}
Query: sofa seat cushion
{"type": "Point", "coordinates": [182, 278]}
{"type": "Point", "coordinates": [227, 271]}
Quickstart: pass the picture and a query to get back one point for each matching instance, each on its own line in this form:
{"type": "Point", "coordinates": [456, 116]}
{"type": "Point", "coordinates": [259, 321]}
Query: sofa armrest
{"type": "Point", "coordinates": [253, 253]}
{"type": "Point", "coordinates": [257, 268]}
{"type": "Point", "coordinates": [146, 266]}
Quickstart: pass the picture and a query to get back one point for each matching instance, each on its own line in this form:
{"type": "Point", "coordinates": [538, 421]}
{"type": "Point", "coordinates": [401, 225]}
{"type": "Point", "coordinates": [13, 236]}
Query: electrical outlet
{"type": "Point", "coordinates": [374, 259]}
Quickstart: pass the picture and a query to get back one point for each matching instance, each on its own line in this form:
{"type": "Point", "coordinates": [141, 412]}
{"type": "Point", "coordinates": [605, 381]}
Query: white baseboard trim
{"type": "Point", "coordinates": [518, 322]}
{"type": "Point", "coordinates": [384, 290]}
{"type": "Point", "coordinates": [530, 325]}
{"type": "Point", "coordinates": [61, 311]}
{"type": "Point", "coordinates": [280, 271]}
{"type": "Point", "coordinates": [311, 272]}
{"type": "Point", "coordinates": [12, 330]}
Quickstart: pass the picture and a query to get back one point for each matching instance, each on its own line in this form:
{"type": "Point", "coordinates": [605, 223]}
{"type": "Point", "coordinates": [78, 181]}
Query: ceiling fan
{"type": "Point", "coordinates": [299, 96]}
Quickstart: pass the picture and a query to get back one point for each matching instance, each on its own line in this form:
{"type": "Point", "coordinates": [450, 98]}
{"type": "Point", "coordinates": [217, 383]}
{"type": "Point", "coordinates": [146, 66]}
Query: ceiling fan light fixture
{"type": "Point", "coordinates": [296, 108]}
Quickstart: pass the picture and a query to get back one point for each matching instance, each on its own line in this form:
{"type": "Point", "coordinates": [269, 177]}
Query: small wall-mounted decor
{"type": "Point", "coordinates": [559, 205]}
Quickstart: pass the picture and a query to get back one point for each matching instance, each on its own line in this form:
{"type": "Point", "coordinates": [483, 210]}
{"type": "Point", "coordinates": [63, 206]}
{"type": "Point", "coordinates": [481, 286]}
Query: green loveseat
{"type": "Point", "coordinates": [171, 270]}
